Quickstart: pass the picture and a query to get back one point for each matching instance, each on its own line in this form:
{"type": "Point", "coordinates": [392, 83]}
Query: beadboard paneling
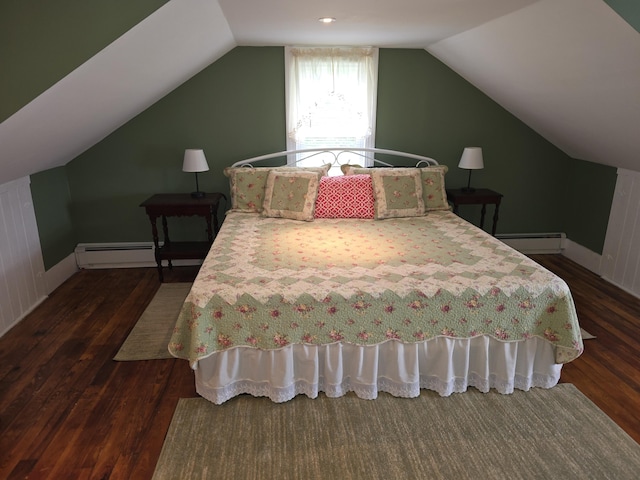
{"type": "Point", "coordinates": [621, 253]}
{"type": "Point", "coordinates": [22, 283]}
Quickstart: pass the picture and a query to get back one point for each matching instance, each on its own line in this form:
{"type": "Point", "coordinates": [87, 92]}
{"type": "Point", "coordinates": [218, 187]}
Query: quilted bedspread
{"type": "Point", "coordinates": [270, 282]}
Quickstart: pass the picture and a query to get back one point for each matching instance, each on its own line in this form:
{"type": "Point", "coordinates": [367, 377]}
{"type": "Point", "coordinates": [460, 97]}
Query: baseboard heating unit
{"type": "Point", "coordinates": [115, 255]}
{"type": "Point", "coordinates": [534, 243]}
{"type": "Point", "coordinates": [121, 255]}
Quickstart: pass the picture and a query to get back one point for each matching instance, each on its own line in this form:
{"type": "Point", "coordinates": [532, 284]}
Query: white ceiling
{"type": "Point", "coordinates": [570, 69]}
{"type": "Point", "coordinates": [381, 23]}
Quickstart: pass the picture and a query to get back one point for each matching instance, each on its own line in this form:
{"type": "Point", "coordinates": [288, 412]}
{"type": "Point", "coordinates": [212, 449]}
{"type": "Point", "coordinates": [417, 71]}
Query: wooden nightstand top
{"type": "Point", "coordinates": [479, 196]}
{"type": "Point", "coordinates": [182, 200]}
{"type": "Point", "coordinates": [458, 196]}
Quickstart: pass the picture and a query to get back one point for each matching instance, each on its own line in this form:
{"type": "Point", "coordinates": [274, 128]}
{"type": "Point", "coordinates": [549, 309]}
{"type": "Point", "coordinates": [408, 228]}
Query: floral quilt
{"type": "Point", "coordinates": [270, 282]}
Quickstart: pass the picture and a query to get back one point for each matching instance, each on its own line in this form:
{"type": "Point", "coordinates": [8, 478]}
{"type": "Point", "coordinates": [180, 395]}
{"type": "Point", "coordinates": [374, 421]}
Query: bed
{"type": "Point", "coordinates": [366, 282]}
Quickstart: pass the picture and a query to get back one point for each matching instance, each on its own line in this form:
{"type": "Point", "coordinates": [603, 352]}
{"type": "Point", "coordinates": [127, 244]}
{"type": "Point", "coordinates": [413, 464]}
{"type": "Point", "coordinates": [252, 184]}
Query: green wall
{"type": "Point", "coordinates": [43, 41]}
{"type": "Point", "coordinates": [425, 107]}
{"type": "Point", "coordinates": [629, 10]}
{"type": "Point", "coordinates": [588, 194]}
{"type": "Point", "coordinates": [52, 205]}
{"type": "Point", "coordinates": [234, 109]}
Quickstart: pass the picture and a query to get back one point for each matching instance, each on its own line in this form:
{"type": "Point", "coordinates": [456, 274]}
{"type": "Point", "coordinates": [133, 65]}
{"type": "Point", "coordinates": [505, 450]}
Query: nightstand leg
{"type": "Point", "coordinates": [495, 219]}
{"type": "Point", "coordinates": [482, 214]}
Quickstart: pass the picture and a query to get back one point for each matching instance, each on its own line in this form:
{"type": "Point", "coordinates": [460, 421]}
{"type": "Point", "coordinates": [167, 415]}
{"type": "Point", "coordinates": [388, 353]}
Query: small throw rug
{"type": "Point", "coordinates": [150, 336]}
{"type": "Point", "coordinates": [557, 433]}
{"type": "Point", "coordinates": [586, 335]}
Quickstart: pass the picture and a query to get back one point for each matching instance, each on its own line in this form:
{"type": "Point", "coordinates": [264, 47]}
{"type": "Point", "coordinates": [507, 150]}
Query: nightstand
{"type": "Point", "coordinates": [479, 196]}
{"type": "Point", "coordinates": [178, 205]}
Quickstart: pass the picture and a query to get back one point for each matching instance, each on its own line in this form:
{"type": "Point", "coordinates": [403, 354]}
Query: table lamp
{"type": "Point", "coordinates": [471, 160]}
{"type": "Point", "coordinates": [195, 161]}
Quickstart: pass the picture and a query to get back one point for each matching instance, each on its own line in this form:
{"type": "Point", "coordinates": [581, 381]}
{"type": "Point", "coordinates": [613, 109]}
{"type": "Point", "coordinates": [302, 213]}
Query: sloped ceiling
{"type": "Point", "coordinates": [570, 69]}
{"type": "Point", "coordinates": [567, 68]}
{"type": "Point", "coordinates": [160, 53]}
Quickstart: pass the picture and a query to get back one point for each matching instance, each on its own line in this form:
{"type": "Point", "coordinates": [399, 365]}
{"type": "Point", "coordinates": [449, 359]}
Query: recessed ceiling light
{"type": "Point", "coordinates": [326, 20]}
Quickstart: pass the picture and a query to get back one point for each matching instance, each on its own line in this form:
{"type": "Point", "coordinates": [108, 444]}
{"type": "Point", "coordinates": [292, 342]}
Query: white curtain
{"type": "Point", "coordinates": [331, 97]}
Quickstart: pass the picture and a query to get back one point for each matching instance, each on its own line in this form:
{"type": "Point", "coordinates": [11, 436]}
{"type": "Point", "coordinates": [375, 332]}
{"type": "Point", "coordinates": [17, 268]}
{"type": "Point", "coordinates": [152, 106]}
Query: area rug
{"type": "Point", "coordinates": [586, 335]}
{"type": "Point", "coordinates": [555, 433]}
{"type": "Point", "coordinates": [150, 336]}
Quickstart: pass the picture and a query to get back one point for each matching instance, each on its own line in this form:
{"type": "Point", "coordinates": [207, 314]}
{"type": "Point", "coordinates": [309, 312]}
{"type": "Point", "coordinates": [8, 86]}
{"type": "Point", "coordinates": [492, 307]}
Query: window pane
{"type": "Point", "coordinates": [331, 96]}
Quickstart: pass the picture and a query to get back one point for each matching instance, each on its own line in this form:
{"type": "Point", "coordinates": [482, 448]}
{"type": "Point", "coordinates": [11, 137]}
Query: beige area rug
{"type": "Point", "coordinates": [151, 334]}
{"type": "Point", "coordinates": [556, 433]}
{"type": "Point", "coordinates": [586, 335]}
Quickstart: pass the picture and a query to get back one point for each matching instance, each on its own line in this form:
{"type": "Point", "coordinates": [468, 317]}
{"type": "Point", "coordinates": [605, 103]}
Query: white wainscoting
{"type": "Point", "coordinates": [621, 252]}
{"type": "Point", "coordinates": [582, 256]}
{"type": "Point", "coordinates": [22, 282]}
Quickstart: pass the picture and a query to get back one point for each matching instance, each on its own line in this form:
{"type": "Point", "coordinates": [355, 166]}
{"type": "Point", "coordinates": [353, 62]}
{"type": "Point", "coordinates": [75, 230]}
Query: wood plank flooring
{"type": "Point", "coordinates": [67, 410]}
{"type": "Point", "coordinates": [608, 372]}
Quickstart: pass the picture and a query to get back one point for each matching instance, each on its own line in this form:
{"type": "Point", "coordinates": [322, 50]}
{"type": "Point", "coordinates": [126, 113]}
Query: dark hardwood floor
{"type": "Point", "coordinates": [67, 410]}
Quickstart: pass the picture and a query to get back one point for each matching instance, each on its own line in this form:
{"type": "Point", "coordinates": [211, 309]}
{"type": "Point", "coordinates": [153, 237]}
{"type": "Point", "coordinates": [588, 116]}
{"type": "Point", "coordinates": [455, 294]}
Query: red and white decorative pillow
{"type": "Point", "coordinates": [349, 196]}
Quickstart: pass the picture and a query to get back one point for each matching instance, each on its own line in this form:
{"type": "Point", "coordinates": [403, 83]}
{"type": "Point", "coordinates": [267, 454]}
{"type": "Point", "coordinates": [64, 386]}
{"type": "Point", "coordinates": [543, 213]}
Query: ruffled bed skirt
{"type": "Point", "coordinates": [445, 365]}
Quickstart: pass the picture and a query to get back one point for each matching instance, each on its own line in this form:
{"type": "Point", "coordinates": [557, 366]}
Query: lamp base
{"type": "Point", "coordinates": [198, 194]}
{"type": "Point", "coordinates": [468, 189]}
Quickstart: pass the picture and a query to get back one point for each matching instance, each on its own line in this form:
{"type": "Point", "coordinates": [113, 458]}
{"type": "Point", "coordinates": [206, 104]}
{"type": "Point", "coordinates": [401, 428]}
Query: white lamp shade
{"type": "Point", "coordinates": [194, 161]}
{"type": "Point", "coordinates": [471, 158]}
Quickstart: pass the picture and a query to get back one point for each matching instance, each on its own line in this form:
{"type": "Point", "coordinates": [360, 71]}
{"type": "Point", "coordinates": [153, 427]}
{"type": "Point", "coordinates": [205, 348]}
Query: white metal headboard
{"type": "Point", "coordinates": [338, 154]}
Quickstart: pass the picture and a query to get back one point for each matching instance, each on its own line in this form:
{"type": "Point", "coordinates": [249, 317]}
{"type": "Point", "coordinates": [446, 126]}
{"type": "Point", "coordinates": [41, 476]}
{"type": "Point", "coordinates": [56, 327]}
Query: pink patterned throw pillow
{"type": "Point", "coordinates": [349, 196]}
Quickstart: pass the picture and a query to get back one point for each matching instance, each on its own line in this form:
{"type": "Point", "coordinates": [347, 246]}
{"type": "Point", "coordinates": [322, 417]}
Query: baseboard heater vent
{"type": "Point", "coordinates": [121, 255]}
{"type": "Point", "coordinates": [534, 242]}
{"type": "Point", "coordinates": [115, 255]}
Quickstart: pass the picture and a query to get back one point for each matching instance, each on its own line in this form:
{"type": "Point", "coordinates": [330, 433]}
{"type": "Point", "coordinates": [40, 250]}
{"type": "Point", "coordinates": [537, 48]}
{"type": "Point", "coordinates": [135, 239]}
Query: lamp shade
{"type": "Point", "coordinates": [194, 161]}
{"type": "Point", "coordinates": [471, 158]}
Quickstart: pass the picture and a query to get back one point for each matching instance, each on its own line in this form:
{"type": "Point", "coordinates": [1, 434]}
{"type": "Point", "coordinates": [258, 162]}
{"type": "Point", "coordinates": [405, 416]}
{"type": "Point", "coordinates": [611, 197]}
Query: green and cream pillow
{"type": "Point", "coordinates": [247, 185]}
{"type": "Point", "coordinates": [290, 194]}
{"type": "Point", "coordinates": [434, 194]}
{"type": "Point", "coordinates": [397, 192]}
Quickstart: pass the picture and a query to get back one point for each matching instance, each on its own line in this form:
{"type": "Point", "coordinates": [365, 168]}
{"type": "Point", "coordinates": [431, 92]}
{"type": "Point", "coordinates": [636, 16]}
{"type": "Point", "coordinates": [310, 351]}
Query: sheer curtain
{"type": "Point", "coordinates": [331, 98]}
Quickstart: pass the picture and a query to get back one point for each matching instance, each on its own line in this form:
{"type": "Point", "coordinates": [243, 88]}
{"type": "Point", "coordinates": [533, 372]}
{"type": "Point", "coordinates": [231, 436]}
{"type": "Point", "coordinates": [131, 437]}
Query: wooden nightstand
{"type": "Point", "coordinates": [178, 205]}
{"type": "Point", "coordinates": [480, 196]}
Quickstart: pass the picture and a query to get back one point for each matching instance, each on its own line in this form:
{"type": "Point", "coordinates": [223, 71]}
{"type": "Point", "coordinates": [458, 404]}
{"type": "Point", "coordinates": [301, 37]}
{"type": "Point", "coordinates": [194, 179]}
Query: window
{"type": "Point", "coordinates": [331, 100]}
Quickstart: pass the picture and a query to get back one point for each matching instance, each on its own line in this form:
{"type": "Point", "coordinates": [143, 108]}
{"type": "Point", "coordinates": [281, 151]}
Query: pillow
{"type": "Point", "coordinates": [345, 197]}
{"type": "Point", "coordinates": [397, 192]}
{"type": "Point", "coordinates": [434, 194]}
{"type": "Point", "coordinates": [345, 168]}
{"type": "Point", "coordinates": [290, 194]}
{"type": "Point", "coordinates": [247, 185]}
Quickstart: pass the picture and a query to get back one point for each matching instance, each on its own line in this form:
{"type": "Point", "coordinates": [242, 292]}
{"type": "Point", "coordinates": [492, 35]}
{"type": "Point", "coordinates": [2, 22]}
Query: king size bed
{"type": "Point", "coordinates": [366, 282]}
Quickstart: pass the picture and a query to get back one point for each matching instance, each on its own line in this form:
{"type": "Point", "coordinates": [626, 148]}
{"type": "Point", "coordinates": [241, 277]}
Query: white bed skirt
{"type": "Point", "coordinates": [445, 365]}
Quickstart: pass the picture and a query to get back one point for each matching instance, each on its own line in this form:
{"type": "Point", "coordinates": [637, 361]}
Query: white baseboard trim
{"type": "Point", "coordinates": [534, 243]}
{"type": "Point", "coordinates": [622, 287]}
{"type": "Point", "coordinates": [582, 256]}
{"type": "Point", "coordinates": [121, 255]}
{"type": "Point", "coordinates": [24, 314]}
{"type": "Point", "coordinates": [60, 273]}
{"type": "Point", "coordinates": [63, 270]}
